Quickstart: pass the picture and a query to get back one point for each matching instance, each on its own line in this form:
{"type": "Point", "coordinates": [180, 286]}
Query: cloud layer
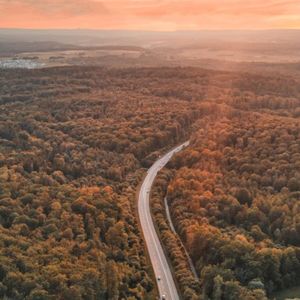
{"type": "Point", "coordinates": [150, 14]}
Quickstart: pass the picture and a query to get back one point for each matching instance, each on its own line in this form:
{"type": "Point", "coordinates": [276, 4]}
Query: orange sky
{"type": "Point", "coordinates": [150, 14]}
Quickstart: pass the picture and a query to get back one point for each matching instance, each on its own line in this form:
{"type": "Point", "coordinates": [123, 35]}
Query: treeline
{"type": "Point", "coordinates": [189, 286]}
{"type": "Point", "coordinates": [74, 144]}
{"type": "Point", "coordinates": [235, 188]}
{"type": "Point", "coordinates": [73, 149]}
{"type": "Point", "coordinates": [234, 201]}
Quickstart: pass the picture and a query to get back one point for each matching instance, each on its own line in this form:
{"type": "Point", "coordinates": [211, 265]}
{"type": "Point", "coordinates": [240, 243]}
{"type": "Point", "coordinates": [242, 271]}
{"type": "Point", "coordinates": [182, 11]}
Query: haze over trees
{"type": "Point", "coordinates": [234, 196]}
{"type": "Point", "coordinates": [74, 145]}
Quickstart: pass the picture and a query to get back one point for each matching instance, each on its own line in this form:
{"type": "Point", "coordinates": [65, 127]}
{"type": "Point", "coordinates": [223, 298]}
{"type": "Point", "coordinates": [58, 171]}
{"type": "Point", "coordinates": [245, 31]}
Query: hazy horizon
{"type": "Point", "coordinates": [145, 30]}
{"type": "Point", "coordinates": [150, 14]}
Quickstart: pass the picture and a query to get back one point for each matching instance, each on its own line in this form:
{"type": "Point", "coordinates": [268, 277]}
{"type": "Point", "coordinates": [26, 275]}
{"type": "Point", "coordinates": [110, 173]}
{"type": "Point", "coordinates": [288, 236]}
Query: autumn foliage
{"type": "Point", "coordinates": [235, 203]}
{"type": "Point", "coordinates": [74, 145]}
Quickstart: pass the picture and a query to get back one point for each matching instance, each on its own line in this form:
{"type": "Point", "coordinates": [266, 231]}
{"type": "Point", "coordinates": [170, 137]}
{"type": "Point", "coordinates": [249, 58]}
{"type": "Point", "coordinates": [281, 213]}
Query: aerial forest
{"type": "Point", "coordinates": [75, 143]}
{"type": "Point", "coordinates": [234, 196]}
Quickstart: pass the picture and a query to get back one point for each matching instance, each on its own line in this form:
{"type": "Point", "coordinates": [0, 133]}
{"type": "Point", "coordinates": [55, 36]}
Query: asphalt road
{"type": "Point", "coordinates": [166, 285]}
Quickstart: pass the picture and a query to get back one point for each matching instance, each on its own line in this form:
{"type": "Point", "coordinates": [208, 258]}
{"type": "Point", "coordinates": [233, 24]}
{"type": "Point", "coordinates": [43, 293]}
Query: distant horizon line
{"type": "Point", "coordinates": [147, 30]}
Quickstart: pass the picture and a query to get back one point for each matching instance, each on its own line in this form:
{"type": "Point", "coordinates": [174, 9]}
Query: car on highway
{"type": "Point", "coordinates": [166, 285]}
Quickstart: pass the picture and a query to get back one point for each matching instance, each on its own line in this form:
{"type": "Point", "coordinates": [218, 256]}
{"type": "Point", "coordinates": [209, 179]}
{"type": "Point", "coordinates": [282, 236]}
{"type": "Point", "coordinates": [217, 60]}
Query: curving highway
{"type": "Point", "coordinates": [165, 282]}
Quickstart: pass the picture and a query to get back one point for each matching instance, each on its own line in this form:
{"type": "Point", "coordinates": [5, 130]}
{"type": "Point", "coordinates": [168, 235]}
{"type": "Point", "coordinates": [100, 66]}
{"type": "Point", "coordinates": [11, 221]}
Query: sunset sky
{"type": "Point", "coordinates": [150, 14]}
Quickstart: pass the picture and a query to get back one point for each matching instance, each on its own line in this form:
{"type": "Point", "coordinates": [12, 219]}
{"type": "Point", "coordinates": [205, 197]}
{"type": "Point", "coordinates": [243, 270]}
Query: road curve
{"type": "Point", "coordinates": [166, 284]}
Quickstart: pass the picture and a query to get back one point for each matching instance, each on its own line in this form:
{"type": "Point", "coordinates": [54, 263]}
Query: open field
{"type": "Point", "coordinates": [67, 57]}
{"type": "Point", "coordinates": [258, 50]}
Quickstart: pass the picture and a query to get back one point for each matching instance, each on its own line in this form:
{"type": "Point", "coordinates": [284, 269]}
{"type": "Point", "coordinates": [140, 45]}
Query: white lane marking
{"type": "Point", "coordinates": [144, 206]}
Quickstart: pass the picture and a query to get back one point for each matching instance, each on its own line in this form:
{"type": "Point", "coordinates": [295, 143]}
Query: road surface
{"type": "Point", "coordinates": [165, 282]}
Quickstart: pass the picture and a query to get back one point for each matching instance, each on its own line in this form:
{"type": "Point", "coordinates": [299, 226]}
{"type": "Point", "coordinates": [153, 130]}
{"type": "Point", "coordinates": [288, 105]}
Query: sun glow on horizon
{"type": "Point", "coordinates": [150, 14]}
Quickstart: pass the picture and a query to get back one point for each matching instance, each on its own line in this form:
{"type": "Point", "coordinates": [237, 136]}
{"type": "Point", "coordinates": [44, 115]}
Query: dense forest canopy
{"type": "Point", "coordinates": [234, 196]}
{"type": "Point", "coordinates": [74, 145]}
